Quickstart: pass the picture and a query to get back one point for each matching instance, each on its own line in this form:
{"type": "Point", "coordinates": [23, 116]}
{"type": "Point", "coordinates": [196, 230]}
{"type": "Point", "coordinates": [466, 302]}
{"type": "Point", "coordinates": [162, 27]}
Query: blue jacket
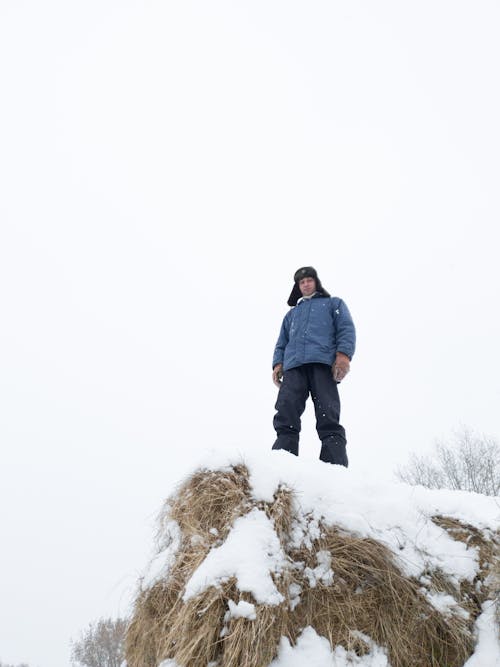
{"type": "Point", "coordinates": [314, 331]}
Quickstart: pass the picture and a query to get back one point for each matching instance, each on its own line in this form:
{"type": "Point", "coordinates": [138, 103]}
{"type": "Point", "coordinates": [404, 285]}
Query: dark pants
{"type": "Point", "coordinates": [297, 383]}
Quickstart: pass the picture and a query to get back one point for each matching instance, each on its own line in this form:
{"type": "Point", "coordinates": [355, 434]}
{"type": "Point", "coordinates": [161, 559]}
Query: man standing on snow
{"type": "Point", "coordinates": [313, 353]}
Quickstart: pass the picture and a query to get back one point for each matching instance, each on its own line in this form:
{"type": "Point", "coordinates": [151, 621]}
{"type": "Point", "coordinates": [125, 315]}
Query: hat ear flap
{"type": "Point", "coordinates": [295, 295]}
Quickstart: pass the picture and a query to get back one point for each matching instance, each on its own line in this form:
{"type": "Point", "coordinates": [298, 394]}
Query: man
{"type": "Point", "coordinates": [313, 353]}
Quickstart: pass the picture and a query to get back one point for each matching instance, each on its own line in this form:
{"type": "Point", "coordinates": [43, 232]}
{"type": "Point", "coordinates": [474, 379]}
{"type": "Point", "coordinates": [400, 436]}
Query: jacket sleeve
{"type": "Point", "coordinates": [344, 330]}
{"type": "Point", "coordinates": [279, 350]}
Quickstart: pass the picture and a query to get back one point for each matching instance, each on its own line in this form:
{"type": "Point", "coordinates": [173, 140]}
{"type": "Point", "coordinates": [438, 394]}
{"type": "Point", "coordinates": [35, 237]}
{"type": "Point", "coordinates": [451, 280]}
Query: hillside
{"type": "Point", "coordinates": [276, 561]}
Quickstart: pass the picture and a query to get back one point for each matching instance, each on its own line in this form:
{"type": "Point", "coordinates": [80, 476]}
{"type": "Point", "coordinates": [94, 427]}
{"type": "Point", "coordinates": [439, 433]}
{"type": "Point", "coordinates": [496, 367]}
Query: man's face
{"type": "Point", "coordinates": [307, 286]}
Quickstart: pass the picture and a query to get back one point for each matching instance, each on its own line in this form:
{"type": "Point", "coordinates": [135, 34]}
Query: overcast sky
{"type": "Point", "coordinates": [165, 167]}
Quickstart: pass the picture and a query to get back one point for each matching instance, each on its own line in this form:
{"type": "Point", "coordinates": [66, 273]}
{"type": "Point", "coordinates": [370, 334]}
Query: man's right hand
{"type": "Point", "coordinates": [278, 374]}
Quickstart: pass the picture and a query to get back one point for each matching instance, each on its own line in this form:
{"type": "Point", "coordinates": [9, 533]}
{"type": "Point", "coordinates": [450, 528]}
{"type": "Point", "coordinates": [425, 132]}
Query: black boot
{"type": "Point", "coordinates": [333, 450]}
{"type": "Point", "coordinates": [288, 442]}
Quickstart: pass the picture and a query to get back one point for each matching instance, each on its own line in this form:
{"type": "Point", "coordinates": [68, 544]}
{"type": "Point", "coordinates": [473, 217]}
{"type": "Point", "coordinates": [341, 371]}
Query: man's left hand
{"type": "Point", "coordinates": [341, 366]}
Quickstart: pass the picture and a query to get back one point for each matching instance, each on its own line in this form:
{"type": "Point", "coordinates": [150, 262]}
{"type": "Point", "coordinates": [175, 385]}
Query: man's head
{"type": "Point", "coordinates": [306, 282]}
{"type": "Point", "coordinates": [306, 278]}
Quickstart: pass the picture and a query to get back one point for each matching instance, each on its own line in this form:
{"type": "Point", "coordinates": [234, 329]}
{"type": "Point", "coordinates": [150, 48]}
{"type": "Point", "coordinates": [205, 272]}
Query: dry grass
{"type": "Point", "coordinates": [486, 585]}
{"type": "Point", "coordinates": [487, 582]}
{"type": "Point", "coordinates": [210, 499]}
{"type": "Point", "coordinates": [252, 643]}
{"type": "Point", "coordinates": [368, 592]}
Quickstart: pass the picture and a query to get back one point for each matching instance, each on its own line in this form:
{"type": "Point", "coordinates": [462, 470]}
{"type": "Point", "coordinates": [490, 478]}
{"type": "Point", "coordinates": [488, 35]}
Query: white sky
{"type": "Point", "coordinates": [165, 167]}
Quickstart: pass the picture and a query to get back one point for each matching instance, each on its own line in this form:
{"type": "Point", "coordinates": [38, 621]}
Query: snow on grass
{"type": "Point", "coordinates": [241, 610]}
{"type": "Point", "coordinates": [162, 561]}
{"type": "Point", "coordinates": [487, 651]}
{"type": "Point", "coordinates": [395, 514]}
{"type": "Point", "coordinates": [314, 651]}
{"type": "Point", "coordinates": [398, 515]}
{"type": "Point", "coordinates": [251, 553]}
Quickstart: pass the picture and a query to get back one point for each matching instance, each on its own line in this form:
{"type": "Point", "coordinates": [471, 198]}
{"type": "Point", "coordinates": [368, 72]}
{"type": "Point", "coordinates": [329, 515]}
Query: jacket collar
{"type": "Point", "coordinates": [307, 298]}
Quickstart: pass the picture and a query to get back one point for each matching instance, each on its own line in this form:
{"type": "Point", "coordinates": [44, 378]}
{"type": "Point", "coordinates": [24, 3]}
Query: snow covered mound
{"type": "Point", "coordinates": [280, 562]}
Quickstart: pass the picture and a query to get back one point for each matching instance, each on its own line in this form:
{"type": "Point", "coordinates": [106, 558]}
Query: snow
{"type": "Point", "coordinates": [487, 651]}
{"type": "Point", "coordinates": [444, 603]}
{"type": "Point", "coordinates": [161, 562]}
{"type": "Point", "coordinates": [323, 572]}
{"type": "Point", "coordinates": [314, 651]}
{"type": "Point", "coordinates": [395, 514]}
{"type": "Point", "coordinates": [251, 553]}
{"type": "Point", "coordinates": [241, 610]}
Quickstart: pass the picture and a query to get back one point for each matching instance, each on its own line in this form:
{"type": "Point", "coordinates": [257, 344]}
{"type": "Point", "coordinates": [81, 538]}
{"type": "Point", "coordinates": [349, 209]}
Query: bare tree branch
{"type": "Point", "coordinates": [469, 463]}
{"type": "Point", "coordinates": [101, 644]}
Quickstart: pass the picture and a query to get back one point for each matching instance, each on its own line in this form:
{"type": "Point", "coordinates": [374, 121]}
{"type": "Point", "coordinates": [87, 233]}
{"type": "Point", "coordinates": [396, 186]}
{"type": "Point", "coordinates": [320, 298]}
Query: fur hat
{"type": "Point", "coordinates": [304, 272]}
